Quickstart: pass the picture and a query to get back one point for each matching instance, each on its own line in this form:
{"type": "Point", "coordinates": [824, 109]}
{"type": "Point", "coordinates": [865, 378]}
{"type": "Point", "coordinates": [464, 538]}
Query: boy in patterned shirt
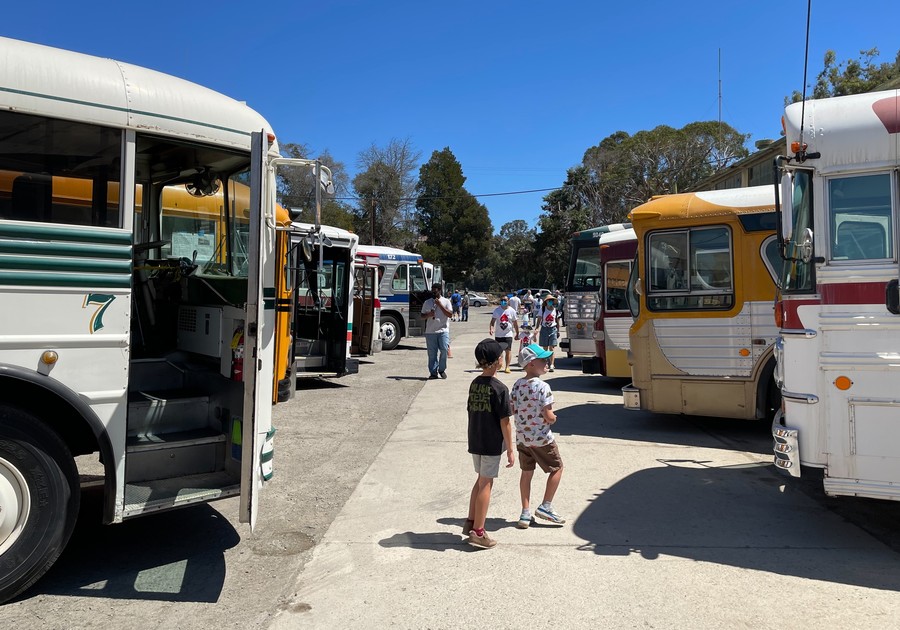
{"type": "Point", "coordinates": [532, 402]}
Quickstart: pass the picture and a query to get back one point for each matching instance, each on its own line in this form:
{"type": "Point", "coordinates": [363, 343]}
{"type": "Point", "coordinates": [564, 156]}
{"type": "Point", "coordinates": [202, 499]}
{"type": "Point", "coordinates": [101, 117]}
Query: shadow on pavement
{"type": "Point", "coordinates": [173, 556]}
{"type": "Point", "coordinates": [613, 422]}
{"type": "Point", "coordinates": [431, 541]}
{"type": "Point", "coordinates": [731, 515]}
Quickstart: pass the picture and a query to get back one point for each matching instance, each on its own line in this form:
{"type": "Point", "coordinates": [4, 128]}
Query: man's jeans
{"type": "Point", "coordinates": [437, 344]}
{"type": "Point", "coordinates": [465, 313]}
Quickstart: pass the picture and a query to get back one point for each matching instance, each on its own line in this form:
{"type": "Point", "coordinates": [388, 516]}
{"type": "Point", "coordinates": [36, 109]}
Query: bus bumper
{"type": "Point", "coordinates": [786, 446]}
{"type": "Point", "coordinates": [631, 397]}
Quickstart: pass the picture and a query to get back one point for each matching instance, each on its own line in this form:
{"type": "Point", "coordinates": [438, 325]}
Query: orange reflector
{"type": "Point", "coordinates": [796, 147]}
{"type": "Point", "coordinates": [779, 314]}
{"type": "Point", "coordinates": [270, 137]}
{"type": "Point", "coordinates": [843, 383]}
{"type": "Point", "coordinates": [49, 357]}
{"type": "Point", "coordinates": [744, 352]}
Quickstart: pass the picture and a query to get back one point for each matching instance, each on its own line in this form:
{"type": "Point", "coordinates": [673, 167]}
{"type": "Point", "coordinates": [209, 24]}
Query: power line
{"type": "Point", "coordinates": [499, 194]}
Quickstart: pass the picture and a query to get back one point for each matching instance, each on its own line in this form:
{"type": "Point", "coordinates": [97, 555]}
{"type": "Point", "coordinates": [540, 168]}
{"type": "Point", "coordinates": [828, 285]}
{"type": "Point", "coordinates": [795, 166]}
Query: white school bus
{"type": "Point", "coordinates": [839, 313]}
{"type": "Point", "coordinates": [141, 258]}
{"type": "Point", "coordinates": [702, 295]}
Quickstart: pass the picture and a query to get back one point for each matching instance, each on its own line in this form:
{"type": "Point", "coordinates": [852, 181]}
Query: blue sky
{"type": "Point", "coordinates": [517, 90]}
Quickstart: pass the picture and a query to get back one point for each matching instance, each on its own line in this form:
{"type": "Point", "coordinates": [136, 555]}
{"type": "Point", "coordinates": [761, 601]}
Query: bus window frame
{"type": "Point", "coordinates": [830, 218]}
{"type": "Point", "coordinates": [701, 295]}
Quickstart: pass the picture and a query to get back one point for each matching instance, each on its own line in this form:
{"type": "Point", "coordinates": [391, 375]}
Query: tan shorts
{"type": "Point", "coordinates": [546, 456]}
{"type": "Point", "coordinates": [487, 465]}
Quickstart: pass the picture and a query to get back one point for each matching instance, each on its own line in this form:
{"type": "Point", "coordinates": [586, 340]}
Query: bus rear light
{"type": "Point", "coordinates": [377, 303]}
{"type": "Point", "coordinates": [843, 383]}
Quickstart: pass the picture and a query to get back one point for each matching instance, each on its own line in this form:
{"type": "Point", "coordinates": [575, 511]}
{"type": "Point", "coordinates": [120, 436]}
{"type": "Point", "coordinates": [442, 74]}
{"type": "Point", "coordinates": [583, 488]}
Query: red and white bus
{"type": "Point", "coordinates": [839, 348]}
{"type": "Point", "coordinates": [612, 316]}
{"type": "Point", "coordinates": [583, 284]}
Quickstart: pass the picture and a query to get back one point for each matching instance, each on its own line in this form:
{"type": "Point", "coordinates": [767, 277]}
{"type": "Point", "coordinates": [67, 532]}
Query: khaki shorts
{"type": "Point", "coordinates": [487, 465]}
{"type": "Point", "coordinates": [546, 456]}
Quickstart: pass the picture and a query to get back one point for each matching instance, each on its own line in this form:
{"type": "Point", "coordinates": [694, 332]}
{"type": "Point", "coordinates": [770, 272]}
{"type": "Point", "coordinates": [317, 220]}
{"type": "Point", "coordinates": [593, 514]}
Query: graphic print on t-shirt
{"type": "Point", "coordinates": [504, 322]}
{"type": "Point", "coordinates": [549, 318]}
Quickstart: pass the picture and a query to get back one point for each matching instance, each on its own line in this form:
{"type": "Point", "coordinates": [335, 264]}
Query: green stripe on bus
{"type": "Point", "coordinates": [88, 281]}
{"type": "Point", "coordinates": [269, 305]}
{"type": "Point", "coordinates": [77, 265]}
{"type": "Point", "coordinates": [59, 232]}
{"type": "Point", "coordinates": [268, 292]}
{"type": "Point", "coordinates": [55, 248]}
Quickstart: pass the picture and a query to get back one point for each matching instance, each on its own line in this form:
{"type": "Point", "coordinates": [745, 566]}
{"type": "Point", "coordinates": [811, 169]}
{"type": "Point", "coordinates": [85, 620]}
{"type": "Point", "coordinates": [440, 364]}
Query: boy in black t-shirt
{"type": "Point", "coordinates": [490, 429]}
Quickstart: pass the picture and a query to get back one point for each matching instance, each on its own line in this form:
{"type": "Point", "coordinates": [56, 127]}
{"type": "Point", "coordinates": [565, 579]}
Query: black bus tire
{"type": "Point", "coordinates": [40, 497]}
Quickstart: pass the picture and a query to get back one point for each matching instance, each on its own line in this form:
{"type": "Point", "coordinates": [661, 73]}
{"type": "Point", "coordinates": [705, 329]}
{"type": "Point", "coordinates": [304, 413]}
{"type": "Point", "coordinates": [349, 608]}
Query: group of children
{"type": "Point", "coordinates": [490, 406]}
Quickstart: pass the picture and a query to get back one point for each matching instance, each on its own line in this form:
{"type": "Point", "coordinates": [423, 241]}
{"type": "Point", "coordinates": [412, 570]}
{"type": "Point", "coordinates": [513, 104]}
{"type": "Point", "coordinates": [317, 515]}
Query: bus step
{"type": "Point", "coordinates": [164, 455]}
{"type": "Point", "coordinates": [164, 494]}
{"type": "Point", "coordinates": [166, 412]}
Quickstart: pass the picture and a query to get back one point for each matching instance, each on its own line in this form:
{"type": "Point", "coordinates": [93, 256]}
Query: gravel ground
{"type": "Point", "coordinates": [198, 567]}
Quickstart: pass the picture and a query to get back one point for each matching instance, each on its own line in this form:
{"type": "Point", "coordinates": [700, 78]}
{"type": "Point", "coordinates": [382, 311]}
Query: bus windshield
{"type": "Point", "coordinates": [584, 269]}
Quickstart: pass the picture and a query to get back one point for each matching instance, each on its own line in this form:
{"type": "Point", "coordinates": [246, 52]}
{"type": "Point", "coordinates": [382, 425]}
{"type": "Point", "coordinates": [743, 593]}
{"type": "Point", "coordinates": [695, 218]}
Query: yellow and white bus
{"type": "Point", "coordinates": [141, 257]}
{"type": "Point", "coordinates": [702, 295]}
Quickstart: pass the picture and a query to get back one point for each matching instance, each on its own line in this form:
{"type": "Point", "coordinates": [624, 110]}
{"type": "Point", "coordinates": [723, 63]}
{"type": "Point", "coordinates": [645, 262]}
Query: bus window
{"type": "Point", "coordinates": [771, 257]}
{"type": "Point", "coordinates": [73, 180]}
{"type": "Point", "coordinates": [617, 274]}
{"type": "Point", "coordinates": [419, 283]}
{"type": "Point", "coordinates": [586, 271]}
{"type": "Point", "coordinates": [399, 283]}
{"type": "Point", "coordinates": [860, 217]}
{"type": "Point", "coordinates": [690, 270]}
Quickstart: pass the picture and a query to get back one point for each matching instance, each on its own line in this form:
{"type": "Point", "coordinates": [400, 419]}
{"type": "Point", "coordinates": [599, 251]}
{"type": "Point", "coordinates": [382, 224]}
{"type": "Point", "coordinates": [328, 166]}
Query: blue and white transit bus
{"type": "Point", "coordinates": [405, 283]}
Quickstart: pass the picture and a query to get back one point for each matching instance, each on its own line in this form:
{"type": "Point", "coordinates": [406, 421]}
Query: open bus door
{"type": "Point", "coordinates": [419, 291]}
{"type": "Point", "coordinates": [365, 293]}
{"type": "Point", "coordinates": [254, 431]}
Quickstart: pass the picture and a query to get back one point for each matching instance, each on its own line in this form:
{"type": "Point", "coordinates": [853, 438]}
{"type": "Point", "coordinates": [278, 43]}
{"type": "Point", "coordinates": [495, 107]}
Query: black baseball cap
{"type": "Point", "coordinates": [487, 351]}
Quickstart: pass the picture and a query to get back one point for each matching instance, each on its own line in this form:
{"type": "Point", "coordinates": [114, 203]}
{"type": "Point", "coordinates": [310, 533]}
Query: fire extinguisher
{"type": "Point", "coordinates": [237, 355]}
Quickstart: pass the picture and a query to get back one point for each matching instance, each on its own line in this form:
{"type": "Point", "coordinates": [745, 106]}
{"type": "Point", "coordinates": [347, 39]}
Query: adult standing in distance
{"type": "Point", "coordinates": [456, 302]}
{"type": "Point", "coordinates": [548, 320]}
{"type": "Point", "coordinates": [465, 306]}
{"type": "Point", "coordinates": [504, 327]}
{"type": "Point", "coordinates": [437, 311]}
{"type": "Point", "coordinates": [515, 303]}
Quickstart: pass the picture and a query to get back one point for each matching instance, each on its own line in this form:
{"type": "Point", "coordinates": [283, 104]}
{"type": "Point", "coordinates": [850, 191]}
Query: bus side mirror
{"type": "Point", "coordinates": [892, 296]}
{"type": "Point", "coordinates": [787, 206]}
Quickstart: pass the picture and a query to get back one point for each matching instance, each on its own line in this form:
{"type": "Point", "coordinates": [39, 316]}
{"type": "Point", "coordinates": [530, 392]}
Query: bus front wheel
{"type": "Point", "coordinates": [390, 332]}
{"type": "Point", "coordinates": [39, 499]}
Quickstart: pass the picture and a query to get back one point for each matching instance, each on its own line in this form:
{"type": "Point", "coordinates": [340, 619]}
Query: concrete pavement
{"type": "Point", "coordinates": [668, 527]}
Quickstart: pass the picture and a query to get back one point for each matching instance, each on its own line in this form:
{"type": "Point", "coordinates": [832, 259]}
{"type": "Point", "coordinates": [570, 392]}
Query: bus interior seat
{"type": "Point", "coordinates": [32, 197]}
{"type": "Point", "coordinates": [857, 240]}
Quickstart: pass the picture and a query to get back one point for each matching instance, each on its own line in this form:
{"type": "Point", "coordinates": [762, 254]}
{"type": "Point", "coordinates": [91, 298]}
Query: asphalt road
{"type": "Point", "coordinates": [199, 568]}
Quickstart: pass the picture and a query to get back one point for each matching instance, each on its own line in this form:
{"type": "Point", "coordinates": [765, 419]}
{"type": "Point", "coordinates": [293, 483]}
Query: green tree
{"type": "Point", "coordinates": [297, 188]}
{"type": "Point", "coordinates": [455, 228]}
{"type": "Point", "coordinates": [385, 187]}
{"type": "Point", "coordinates": [625, 171]}
{"type": "Point", "coordinates": [853, 76]}
{"type": "Point", "coordinates": [515, 264]}
{"type": "Point", "coordinates": [566, 210]}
